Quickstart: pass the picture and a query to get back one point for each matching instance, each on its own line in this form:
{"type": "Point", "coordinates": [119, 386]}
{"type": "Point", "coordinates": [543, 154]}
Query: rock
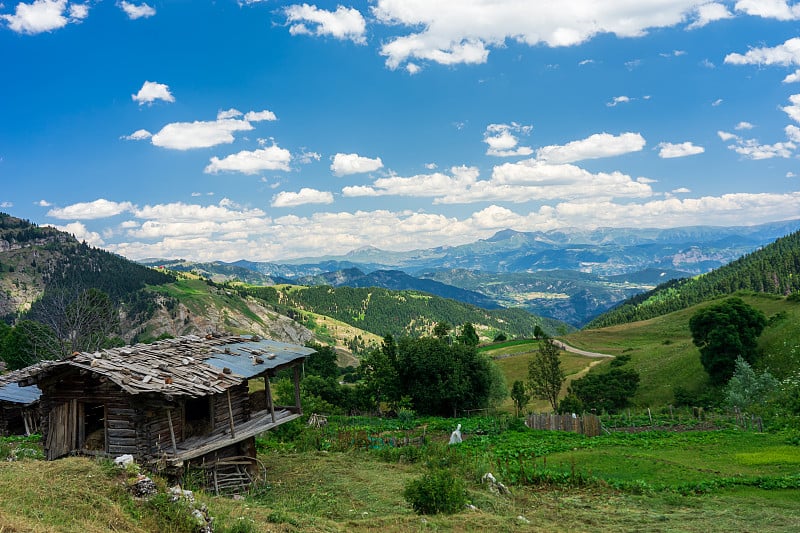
{"type": "Point", "coordinates": [143, 487]}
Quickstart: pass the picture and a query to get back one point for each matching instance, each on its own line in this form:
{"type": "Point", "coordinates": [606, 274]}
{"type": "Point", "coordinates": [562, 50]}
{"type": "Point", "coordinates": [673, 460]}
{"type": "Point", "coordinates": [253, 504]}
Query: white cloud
{"type": "Point", "coordinates": [791, 175]}
{"type": "Point", "coordinates": [138, 135]}
{"type": "Point", "coordinates": [725, 136]}
{"type": "Point", "coordinates": [708, 13]}
{"type": "Point", "coordinates": [259, 116]}
{"type": "Point", "coordinates": [199, 134]}
{"type": "Point", "coordinates": [44, 15]}
{"type": "Point", "coordinates": [43, 203]}
{"type": "Point", "coordinates": [100, 208]}
{"type": "Point", "coordinates": [743, 126]}
{"type": "Point", "coordinates": [431, 166]}
{"type": "Point", "coordinates": [717, 102]}
{"type": "Point", "coordinates": [137, 11]}
{"type": "Point", "coordinates": [681, 190]}
{"type": "Point", "coordinates": [773, 9]}
{"type": "Point", "coordinates": [593, 147]}
{"type": "Point", "coordinates": [794, 77]}
{"type": "Point", "coordinates": [751, 149]}
{"type": "Point", "coordinates": [793, 109]}
{"type": "Point", "coordinates": [792, 133]}
{"type": "Point", "coordinates": [305, 196]}
{"type": "Point", "coordinates": [344, 23]}
{"type": "Point", "coordinates": [346, 164]}
{"type": "Point", "coordinates": [82, 233]}
{"type": "Point", "coordinates": [670, 150]}
{"type": "Point", "coordinates": [437, 184]}
{"type": "Point", "coordinates": [228, 113]}
{"type": "Point", "coordinates": [503, 142]}
{"type": "Point", "coordinates": [618, 100]}
{"type": "Point", "coordinates": [6, 204]}
{"type": "Point", "coordinates": [307, 157]}
{"type": "Point", "coordinates": [463, 32]}
{"type": "Point", "coordinates": [785, 54]}
{"type": "Point", "coordinates": [252, 162]}
{"type": "Point", "coordinates": [152, 91]}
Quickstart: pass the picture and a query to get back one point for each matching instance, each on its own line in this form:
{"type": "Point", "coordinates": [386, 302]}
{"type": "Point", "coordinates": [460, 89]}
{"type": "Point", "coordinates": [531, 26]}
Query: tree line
{"type": "Point", "coordinates": [774, 269]}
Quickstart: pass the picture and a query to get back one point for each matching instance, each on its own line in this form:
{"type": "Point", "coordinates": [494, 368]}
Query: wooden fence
{"type": "Point", "coordinates": [586, 424]}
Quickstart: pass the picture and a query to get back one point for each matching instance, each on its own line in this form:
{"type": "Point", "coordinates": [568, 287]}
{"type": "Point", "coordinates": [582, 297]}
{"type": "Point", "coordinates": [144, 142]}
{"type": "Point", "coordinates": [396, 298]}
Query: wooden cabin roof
{"type": "Point", "coordinates": [185, 366]}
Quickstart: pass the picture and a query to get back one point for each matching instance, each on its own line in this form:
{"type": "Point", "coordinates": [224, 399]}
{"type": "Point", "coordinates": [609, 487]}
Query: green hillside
{"type": "Point", "coordinates": [400, 313]}
{"type": "Point", "coordinates": [662, 351]}
{"type": "Point", "coordinates": [774, 269]}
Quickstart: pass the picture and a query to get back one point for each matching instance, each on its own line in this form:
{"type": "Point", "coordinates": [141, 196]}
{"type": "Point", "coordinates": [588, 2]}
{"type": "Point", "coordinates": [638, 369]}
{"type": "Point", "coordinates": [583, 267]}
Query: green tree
{"type": "Point", "coordinates": [379, 368]}
{"type": "Point", "coordinates": [746, 389]}
{"type": "Point", "coordinates": [609, 391]}
{"type": "Point", "coordinates": [28, 343]}
{"type": "Point", "coordinates": [468, 335]}
{"type": "Point", "coordinates": [724, 332]}
{"type": "Point", "coordinates": [538, 332]}
{"type": "Point", "coordinates": [520, 396]}
{"type": "Point", "coordinates": [441, 330]}
{"type": "Point", "coordinates": [545, 375]}
{"type": "Point", "coordinates": [322, 363]}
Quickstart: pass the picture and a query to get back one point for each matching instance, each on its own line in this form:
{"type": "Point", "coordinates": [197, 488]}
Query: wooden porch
{"type": "Point", "coordinates": [200, 445]}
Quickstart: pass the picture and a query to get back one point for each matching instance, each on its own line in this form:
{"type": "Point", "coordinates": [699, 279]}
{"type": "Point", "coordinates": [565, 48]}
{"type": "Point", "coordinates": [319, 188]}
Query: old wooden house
{"type": "Point", "coordinates": [173, 403]}
{"type": "Point", "coordinates": [19, 406]}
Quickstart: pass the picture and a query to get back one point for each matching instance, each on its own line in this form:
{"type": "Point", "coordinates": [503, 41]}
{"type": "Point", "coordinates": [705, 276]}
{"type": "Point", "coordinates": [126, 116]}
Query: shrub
{"type": "Point", "coordinates": [436, 492]}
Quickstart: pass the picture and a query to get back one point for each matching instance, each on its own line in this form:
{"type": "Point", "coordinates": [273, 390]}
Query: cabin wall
{"type": "Point", "coordinates": [240, 406]}
{"type": "Point", "coordinates": [84, 389]}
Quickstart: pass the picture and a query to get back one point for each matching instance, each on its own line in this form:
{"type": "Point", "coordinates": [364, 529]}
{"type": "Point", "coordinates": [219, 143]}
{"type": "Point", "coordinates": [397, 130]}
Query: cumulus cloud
{"type": "Point", "coordinates": [259, 116]}
{"type": "Point", "coordinates": [463, 32]}
{"type": "Point", "coordinates": [43, 203]}
{"type": "Point", "coordinates": [670, 150]}
{"type": "Point", "coordinates": [305, 196]}
{"type": "Point", "coordinates": [436, 184]}
{"type": "Point", "coordinates": [726, 136]}
{"type": "Point", "coordinates": [772, 9]}
{"type": "Point", "coordinates": [752, 149]}
{"type": "Point", "coordinates": [346, 164]}
{"type": "Point", "coordinates": [794, 77]}
{"type": "Point", "coordinates": [100, 208]}
{"type": "Point", "coordinates": [503, 141]}
{"type": "Point", "coordinates": [82, 233]}
{"type": "Point", "coordinates": [593, 147]}
{"type": "Point", "coordinates": [252, 162]}
{"type": "Point", "coordinates": [793, 109]}
{"type": "Point", "coordinates": [152, 91]}
{"type": "Point", "coordinates": [785, 54]}
{"type": "Point", "coordinates": [344, 23]}
{"type": "Point", "coordinates": [137, 11]}
{"type": "Point", "coordinates": [199, 134]}
{"type": "Point", "coordinates": [44, 15]}
{"type": "Point", "coordinates": [744, 126]}
{"type": "Point", "coordinates": [618, 100]}
{"type": "Point", "coordinates": [138, 135]}
{"type": "Point", "coordinates": [708, 13]}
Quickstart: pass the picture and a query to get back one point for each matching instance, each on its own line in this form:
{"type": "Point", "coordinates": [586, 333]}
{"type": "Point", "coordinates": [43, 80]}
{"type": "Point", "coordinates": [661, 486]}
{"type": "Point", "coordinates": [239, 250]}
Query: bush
{"type": "Point", "coordinates": [437, 492]}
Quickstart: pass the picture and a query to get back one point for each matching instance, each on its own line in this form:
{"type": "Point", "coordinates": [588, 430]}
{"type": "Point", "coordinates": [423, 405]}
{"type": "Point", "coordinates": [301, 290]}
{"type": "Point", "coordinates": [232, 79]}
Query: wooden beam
{"type": "Point", "coordinates": [268, 391]}
{"type": "Point", "coordinates": [172, 432]}
{"type": "Point", "coordinates": [297, 389]}
{"type": "Point", "coordinates": [230, 414]}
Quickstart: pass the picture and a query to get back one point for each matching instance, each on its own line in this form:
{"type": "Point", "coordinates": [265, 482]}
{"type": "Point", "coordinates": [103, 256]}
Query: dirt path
{"type": "Point", "coordinates": [572, 349]}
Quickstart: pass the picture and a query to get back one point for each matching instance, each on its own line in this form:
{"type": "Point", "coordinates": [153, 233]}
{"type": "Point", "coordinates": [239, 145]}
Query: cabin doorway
{"type": "Point", "coordinates": [93, 428]}
{"type": "Point", "coordinates": [197, 417]}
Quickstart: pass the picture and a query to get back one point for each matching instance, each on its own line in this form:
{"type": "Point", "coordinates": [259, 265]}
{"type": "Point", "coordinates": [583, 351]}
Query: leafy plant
{"type": "Point", "coordinates": [436, 492]}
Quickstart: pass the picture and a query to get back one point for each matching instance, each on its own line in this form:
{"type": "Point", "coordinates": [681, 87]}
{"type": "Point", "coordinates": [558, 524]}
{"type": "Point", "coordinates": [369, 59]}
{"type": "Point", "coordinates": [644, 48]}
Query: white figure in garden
{"type": "Point", "coordinates": [455, 437]}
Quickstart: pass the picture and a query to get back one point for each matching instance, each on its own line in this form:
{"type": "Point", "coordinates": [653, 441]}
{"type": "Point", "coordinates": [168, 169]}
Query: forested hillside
{"type": "Point", "coordinates": [400, 313]}
{"type": "Point", "coordinates": [39, 263]}
{"type": "Point", "coordinates": [774, 269]}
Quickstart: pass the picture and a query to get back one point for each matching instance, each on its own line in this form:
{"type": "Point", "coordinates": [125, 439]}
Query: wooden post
{"type": "Point", "coordinates": [268, 391]}
{"type": "Point", "coordinates": [230, 414]}
{"type": "Point", "coordinates": [297, 403]}
{"type": "Point", "coordinates": [172, 432]}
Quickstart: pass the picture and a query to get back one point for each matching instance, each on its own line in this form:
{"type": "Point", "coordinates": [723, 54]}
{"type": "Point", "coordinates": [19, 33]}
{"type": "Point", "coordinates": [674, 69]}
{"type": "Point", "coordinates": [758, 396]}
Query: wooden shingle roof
{"type": "Point", "coordinates": [185, 366]}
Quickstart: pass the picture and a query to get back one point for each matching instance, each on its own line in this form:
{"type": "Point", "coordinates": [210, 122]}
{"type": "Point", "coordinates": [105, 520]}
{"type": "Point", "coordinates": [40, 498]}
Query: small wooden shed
{"type": "Point", "coordinates": [170, 403]}
{"type": "Point", "coordinates": [19, 406]}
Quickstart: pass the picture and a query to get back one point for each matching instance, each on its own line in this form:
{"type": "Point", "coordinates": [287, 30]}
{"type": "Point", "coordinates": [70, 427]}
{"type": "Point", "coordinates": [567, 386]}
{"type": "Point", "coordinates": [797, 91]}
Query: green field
{"type": "Point", "coordinates": [318, 480]}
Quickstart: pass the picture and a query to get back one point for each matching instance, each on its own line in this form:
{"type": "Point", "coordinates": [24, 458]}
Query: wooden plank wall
{"type": "Point", "coordinates": [586, 424]}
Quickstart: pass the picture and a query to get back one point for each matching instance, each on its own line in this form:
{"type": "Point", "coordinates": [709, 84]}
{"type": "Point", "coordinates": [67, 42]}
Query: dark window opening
{"type": "Point", "coordinates": [197, 417]}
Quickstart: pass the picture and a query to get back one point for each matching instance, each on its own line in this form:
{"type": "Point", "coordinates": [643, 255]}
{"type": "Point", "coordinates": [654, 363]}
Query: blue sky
{"type": "Point", "coordinates": [268, 130]}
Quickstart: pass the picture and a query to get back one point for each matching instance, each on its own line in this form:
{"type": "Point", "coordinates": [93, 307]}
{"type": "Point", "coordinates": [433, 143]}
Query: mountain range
{"type": "Point", "coordinates": [570, 275]}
